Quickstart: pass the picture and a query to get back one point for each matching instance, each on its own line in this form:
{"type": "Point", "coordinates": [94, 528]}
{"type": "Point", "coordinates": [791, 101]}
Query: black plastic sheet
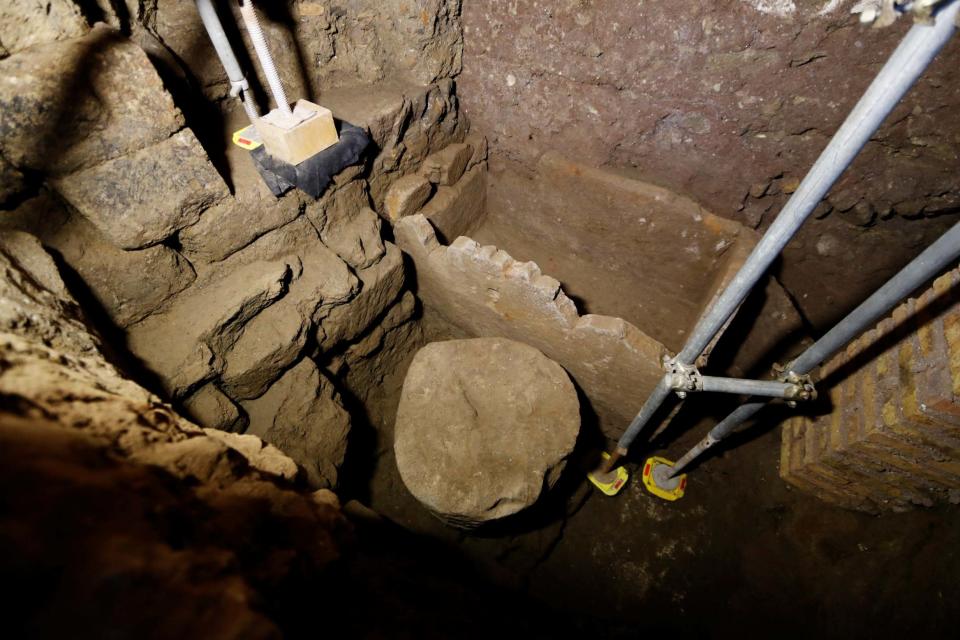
{"type": "Point", "coordinates": [313, 175]}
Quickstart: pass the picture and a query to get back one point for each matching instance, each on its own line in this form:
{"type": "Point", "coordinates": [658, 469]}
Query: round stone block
{"type": "Point", "coordinates": [484, 427]}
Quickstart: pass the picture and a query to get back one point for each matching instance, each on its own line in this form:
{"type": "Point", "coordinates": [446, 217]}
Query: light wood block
{"type": "Point", "coordinates": [293, 140]}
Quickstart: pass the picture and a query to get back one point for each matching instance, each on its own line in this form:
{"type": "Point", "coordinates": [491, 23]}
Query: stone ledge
{"type": "Point", "coordinates": [143, 198]}
{"type": "Point", "coordinates": [487, 293]}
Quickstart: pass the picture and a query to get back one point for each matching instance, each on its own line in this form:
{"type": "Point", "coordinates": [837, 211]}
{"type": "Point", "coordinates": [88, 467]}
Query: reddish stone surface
{"type": "Point", "coordinates": [728, 102]}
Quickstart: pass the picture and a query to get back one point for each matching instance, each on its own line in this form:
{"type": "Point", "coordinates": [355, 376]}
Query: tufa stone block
{"type": "Point", "coordinates": [406, 196]}
{"type": "Point", "coordinates": [210, 408]}
{"type": "Point", "coordinates": [269, 345]}
{"type": "Point", "coordinates": [141, 199]}
{"type": "Point", "coordinates": [307, 133]}
{"type": "Point", "coordinates": [445, 167]}
{"type": "Point", "coordinates": [116, 103]}
{"type": "Point", "coordinates": [184, 345]}
{"type": "Point", "coordinates": [459, 210]}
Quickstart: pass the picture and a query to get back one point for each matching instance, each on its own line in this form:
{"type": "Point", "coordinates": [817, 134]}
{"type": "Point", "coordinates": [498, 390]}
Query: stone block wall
{"type": "Point", "coordinates": [892, 438]}
{"type": "Point", "coordinates": [236, 306]}
{"type": "Point", "coordinates": [450, 190]}
{"type": "Point", "coordinates": [318, 45]}
{"type": "Point", "coordinates": [53, 371]}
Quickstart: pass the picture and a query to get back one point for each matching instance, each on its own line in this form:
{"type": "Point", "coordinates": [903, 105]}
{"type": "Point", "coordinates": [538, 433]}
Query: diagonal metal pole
{"type": "Point", "coordinates": [905, 65]}
{"type": "Point", "coordinates": [932, 261]}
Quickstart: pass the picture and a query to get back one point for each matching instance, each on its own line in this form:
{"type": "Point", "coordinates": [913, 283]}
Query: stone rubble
{"type": "Point", "coordinates": [407, 122]}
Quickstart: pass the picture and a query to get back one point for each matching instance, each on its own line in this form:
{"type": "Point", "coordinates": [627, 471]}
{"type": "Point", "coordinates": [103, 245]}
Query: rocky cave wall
{"type": "Point", "coordinates": [119, 516]}
{"type": "Point", "coordinates": [117, 467]}
{"type": "Point", "coordinates": [252, 313]}
{"type": "Point", "coordinates": [258, 314]}
{"type": "Point", "coordinates": [728, 102]}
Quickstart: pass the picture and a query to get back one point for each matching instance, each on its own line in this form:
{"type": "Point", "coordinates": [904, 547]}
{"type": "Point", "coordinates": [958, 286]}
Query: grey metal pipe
{"type": "Point", "coordinates": [656, 398]}
{"type": "Point", "coordinates": [767, 388]}
{"type": "Point", "coordinates": [724, 428]}
{"type": "Point", "coordinates": [932, 261]}
{"type": "Point", "coordinates": [905, 65]}
{"type": "Point", "coordinates": [211, 22]}
{"type": "Point", "coordinates": [937, 256]}
{"type": "Point", "coordinates": [239, 87]}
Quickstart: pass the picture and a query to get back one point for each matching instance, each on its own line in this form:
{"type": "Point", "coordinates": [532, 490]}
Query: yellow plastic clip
{"type": "Point", "coordinates": [672, 489]}
{"type": "Point", "coordinates": [247, 138]}
{"type": "Point", "coordinates": [617, 478]}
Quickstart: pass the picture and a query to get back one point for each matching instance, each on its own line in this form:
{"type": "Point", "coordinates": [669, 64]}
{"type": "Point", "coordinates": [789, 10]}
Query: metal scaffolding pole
{"type": "Point", "coordinates": [920, 270]}
{"type": "Point", "coordinates": [767, 388]}
{"type": "Point", "coordinates": [906, 64]}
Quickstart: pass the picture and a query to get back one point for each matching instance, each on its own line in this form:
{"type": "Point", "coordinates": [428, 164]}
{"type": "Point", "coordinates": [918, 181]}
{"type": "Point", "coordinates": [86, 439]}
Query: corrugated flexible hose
{"type": "Point", "coordinates": [252, 22]}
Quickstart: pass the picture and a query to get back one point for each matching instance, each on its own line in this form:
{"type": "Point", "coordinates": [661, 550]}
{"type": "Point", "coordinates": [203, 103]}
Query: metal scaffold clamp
{"type": "Point", "coordinates": [883, 13]}
{"type": "Point", "coordinates": [804, 389]}
{"type": "Point", "coordinates": [683, 377]}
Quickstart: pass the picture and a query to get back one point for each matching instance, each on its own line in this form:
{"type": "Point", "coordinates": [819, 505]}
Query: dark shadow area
{"type": "Point", "coordinates": [93, 12]}
{"type": "Point", "coordinates": [746, 323]}
{"type": "Point", "coordinates": [100, 324]}
{"type": "Point", "coordinates": [362, 447]}
{"type": "Point", "coordinates": [153, 555]}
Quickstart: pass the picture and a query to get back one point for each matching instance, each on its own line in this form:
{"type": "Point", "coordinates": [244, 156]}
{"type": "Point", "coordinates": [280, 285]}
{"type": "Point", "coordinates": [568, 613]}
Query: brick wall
{"type": "Point", "coordinates": [891, 438]}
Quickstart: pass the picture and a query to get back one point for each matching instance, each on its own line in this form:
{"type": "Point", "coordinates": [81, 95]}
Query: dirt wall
{"type": "Point", "coordinates": [729, 102]}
